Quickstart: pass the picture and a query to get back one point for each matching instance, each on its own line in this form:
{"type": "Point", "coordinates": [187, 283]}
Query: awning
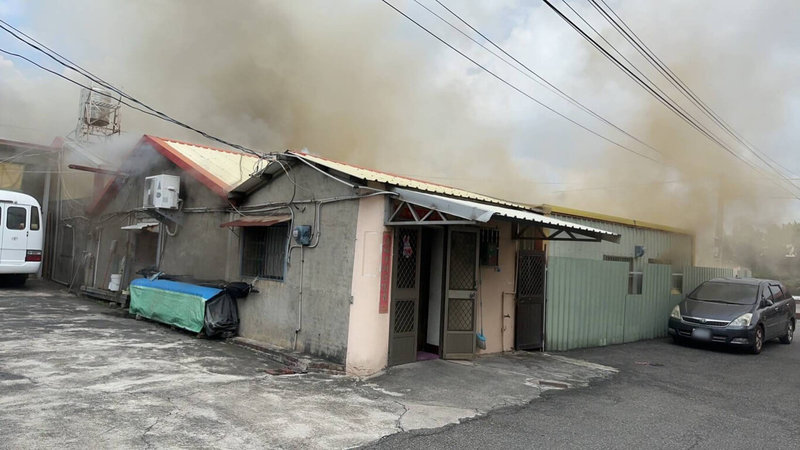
{"type": "Point", "coordinates": [140, 226]}
{"type": "Point", "coordinates": [431, 209]}
{"type": "Point", "coordinates": [257, 221]}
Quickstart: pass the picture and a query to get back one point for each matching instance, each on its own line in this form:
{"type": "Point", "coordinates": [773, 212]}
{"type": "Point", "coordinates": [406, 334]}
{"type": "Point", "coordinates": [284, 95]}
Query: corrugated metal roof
{"type": "Point", "coordinates": [609, 218]}
{"type": "Point", "coordinates": [232, 168]}
{"type": "Point", "coordinates": [483, 213]}
{"type": "Point", "coordinates": [401, 181]}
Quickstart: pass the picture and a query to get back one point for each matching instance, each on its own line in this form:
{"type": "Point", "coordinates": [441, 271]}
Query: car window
{"type": "Point", "coordinates": [34, 218]}
{"type": "Point", "coordinates": [766, 294]}
{"type": "Point", "coordinates": [721, 292]}
{"type": "Point", "coordinates": [777, 295]}
{"type": "Point", "coordinates": [16, 218]}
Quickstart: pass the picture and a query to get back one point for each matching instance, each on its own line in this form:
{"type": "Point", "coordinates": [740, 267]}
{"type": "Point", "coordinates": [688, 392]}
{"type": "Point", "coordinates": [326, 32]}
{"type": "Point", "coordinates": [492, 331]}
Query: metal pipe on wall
{"type": "Point", "coordinates": [299, 302]}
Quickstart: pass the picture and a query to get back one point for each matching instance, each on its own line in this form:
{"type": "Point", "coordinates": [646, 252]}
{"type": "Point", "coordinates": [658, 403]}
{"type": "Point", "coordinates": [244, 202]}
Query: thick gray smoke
{"type": "Point", "coordinates": [353, 80]}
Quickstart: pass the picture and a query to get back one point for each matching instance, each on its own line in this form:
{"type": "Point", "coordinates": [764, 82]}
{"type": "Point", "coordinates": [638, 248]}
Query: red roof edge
{"type": "Point", "coordinates": [202, 175]}
{"type": "Point", "coordinates": [160, 145]}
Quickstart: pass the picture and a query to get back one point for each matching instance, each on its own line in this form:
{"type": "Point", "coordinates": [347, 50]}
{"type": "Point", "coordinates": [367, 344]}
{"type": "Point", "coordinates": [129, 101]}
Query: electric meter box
{"type": "Point", "coordinates": [302, 234]}
{"type": "Point", "coordinates": [162, 191]}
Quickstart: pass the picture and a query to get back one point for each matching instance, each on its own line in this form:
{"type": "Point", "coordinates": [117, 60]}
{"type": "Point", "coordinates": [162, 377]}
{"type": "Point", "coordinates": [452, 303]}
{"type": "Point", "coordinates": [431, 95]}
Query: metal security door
{"type": "Point", "coordinates": [529, 322]}
{"type": "Point", "coordinates": [459, 305]}
{"type": "Point", "coordinates": [405, 297]}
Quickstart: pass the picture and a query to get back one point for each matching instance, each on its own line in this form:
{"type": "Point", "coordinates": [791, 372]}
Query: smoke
{"type": "Point", "coordinates": [353, 80]}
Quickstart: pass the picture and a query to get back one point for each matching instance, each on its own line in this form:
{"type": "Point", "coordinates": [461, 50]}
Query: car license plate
{"type": "Point", "coordinates": [701, 333]}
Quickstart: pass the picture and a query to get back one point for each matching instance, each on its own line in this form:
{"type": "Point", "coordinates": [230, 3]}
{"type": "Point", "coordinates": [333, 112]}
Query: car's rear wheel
{"type": "Point", "coordinates": [758, 341]}
{"type": "Point", "coordinates": [787, 339]}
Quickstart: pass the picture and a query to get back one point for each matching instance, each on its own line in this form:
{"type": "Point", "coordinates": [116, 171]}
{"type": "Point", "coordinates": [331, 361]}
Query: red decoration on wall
{"type": "Point", "coordinates": [386, 273]}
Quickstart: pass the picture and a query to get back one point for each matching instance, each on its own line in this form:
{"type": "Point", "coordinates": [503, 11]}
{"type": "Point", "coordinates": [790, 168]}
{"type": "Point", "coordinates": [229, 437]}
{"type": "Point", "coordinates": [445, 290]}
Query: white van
{"type": "Point", "coordinates": [21, 236]}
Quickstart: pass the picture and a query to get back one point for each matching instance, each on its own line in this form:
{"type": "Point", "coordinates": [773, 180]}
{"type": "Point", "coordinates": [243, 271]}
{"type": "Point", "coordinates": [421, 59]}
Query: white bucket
{"type": "Point", "coordinates": [113, 285]}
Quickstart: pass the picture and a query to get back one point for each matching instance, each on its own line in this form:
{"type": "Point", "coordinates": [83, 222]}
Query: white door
{"type": "Point", "coordinates": [15, 234]}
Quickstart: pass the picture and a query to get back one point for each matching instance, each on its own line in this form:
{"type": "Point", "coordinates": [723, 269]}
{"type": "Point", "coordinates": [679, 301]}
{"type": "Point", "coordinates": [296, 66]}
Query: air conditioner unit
{"type": "Point", "coordinates": [161, 191]}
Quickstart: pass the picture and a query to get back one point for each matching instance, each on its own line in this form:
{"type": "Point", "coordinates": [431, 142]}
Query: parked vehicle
{"type": "Point", "coordinates": [21, 237]}
{"type": "Point", "coordinates": [742, 312]}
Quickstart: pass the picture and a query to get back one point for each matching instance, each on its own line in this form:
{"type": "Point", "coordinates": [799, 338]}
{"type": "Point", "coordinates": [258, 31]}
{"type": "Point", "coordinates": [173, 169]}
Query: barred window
{"type": "Point", "coordinates": [264, 251]}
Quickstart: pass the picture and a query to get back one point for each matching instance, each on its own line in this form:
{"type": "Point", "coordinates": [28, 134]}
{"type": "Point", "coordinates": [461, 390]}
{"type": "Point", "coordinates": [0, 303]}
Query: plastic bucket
{"type": "Point", "coordinates": [113, 285]}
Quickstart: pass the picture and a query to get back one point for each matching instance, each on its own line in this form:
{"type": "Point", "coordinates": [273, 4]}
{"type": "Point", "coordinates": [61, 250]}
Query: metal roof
{"type": "Point", "coordinates": [564, 211]}
{"type": "Point", "coordinates": [405, 182]}
{"type": "Point", "coordinates": [230, 167]}
{"type": "Point", "coordinates": [218, 169]}
{"type": "Point", "coordinates": [481, 212]}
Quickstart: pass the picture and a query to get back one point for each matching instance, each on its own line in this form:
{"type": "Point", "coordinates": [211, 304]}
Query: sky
{"type": "Point", "coordinates": [356, 81]}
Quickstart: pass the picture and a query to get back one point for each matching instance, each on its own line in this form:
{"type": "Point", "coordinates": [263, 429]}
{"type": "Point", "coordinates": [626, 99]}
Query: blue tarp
{"type": "Point", "coordinates": [203, 292]}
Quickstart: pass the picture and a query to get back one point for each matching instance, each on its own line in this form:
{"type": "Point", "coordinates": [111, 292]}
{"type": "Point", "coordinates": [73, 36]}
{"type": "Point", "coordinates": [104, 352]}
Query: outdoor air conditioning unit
{"type": "Point", "coordinates": [161, 191]}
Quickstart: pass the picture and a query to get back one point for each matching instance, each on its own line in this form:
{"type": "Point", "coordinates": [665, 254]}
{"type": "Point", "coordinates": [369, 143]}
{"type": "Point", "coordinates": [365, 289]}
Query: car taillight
{"type": "Point", "coordinates": [33, 255]}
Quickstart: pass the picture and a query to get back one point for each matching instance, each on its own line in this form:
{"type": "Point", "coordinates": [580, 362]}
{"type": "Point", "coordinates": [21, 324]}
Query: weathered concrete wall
{"type": "Point", "coordinates": [196, 250]}
{"type": "Point", "coordinates": [368, 336]}
{"type": "Point", "coordinates": [496, 293]}
{"type": "Point", "coordinates": [274, 314]}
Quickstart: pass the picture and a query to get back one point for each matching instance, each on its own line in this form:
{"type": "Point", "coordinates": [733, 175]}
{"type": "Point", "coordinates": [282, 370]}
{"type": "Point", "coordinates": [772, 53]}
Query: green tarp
{"type": "Point", "coordinates": [180, 304]}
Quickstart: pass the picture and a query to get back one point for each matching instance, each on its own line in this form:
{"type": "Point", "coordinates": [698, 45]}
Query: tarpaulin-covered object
{"type": "Point", "coordinates": [188, 306]}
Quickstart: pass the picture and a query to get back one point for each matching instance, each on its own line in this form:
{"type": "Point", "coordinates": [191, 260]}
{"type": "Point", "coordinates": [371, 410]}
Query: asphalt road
{"type": "Point", "coordinates": [665, 396]}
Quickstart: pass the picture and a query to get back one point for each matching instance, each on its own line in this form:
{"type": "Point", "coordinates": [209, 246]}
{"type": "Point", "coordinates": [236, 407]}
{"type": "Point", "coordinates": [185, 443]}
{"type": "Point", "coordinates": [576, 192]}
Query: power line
{"type": "Point", "coordinates": [664, 99]}
{"type": "Point", "coordinates": [514, 87]}
{"type": "Point", "coordinates": [679, 84]}
{"type": "Point", "coordinates": [538, 78]}
{"type": "Point", "coordinates": [63, 61]}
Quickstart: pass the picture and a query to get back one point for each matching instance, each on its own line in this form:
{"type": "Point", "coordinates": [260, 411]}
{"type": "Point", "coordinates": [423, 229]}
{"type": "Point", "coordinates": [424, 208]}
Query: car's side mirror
{"type": "Point", "coordinates": [766, 303]}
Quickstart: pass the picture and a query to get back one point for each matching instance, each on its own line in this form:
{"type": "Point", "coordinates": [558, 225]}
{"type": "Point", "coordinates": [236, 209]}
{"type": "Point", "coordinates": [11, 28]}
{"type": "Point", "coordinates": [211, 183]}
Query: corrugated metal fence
{"type": "Point", "coordinates": [588, 304]}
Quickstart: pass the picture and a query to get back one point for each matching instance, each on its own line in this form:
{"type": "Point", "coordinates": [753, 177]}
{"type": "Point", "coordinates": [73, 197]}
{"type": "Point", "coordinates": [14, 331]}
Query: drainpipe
{"type": "Point", "coordinates": [299, 302]}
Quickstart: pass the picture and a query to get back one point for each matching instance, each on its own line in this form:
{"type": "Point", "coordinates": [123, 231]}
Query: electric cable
{"type": "Point", "coordinates": [665, 100]}
{"type": "Point", "coordinates": [621, 27]}
{"type": "Point", "coordinates": [76, 68]}
{"type": "Point", "coordinates": [536, 77]}
{"type": "Point", "coordinates": [514, 87]}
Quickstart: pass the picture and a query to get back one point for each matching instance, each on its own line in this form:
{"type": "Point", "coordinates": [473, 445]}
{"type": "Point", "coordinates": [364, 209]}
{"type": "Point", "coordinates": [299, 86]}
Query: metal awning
{"type": "Point", "coordinates": [418, 208]}
{"type": "Point", "coordinates": [139, 226]}
{"type": "Point", "coordinates": [257, 221]}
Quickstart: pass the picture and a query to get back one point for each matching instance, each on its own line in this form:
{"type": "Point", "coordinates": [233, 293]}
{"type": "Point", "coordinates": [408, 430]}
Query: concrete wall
{"type": "Point", "coordinates": [368, 335]}
{"type": "Point", "coordinates": [196, 250]}
{"type": "Point", "coordinates": [496, 292]}
{"type": "Point", "coordinates": [272, 315]}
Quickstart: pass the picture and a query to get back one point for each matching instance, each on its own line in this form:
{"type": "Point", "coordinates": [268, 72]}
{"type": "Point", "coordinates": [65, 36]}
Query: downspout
{"type": "Point", "coordinates": [299, 302]}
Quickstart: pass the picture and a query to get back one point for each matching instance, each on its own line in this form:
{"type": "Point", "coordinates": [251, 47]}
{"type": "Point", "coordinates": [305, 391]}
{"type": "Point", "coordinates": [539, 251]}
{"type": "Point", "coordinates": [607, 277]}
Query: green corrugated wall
{"type": "Point", "coordinates": [588, 303]}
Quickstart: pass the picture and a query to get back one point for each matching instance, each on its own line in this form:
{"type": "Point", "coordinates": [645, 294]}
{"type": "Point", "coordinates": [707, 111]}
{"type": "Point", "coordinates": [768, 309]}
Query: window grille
{"type": "Point", "coordinates": [264, 251]}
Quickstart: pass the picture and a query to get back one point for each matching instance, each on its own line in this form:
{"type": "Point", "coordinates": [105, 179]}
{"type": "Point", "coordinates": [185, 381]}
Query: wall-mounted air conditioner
{"type": "Point", "coordinates": [161, 191]}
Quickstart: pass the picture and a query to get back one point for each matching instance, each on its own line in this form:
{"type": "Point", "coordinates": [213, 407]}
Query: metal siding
{"type": "Point", "coordinates": [658, 244]}
{"type": "Point", "coordinates": [694, 276]}
{"type": "Point", "coordinates": [588, 304]}
{"type": "Point", "coordinates": [585, 301]}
